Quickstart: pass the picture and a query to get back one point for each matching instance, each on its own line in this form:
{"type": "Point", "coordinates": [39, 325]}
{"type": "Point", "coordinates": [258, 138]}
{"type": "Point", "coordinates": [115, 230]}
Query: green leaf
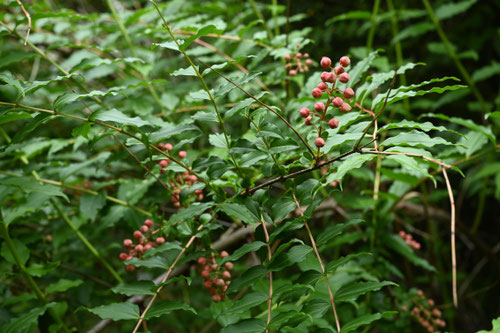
{"type": "Point", "coordinates": [348, 164]}
{"type": "Point", "coordinates": [10, 115]}
{"type": "Point", "coordinates": [414, 139]}
{"type": "Point", "coordinates": [360, 321]}
{"type": "Point", "coordinates": [10, 80]}
{"type": "Point", "coordinates": [117, 311]}
{"type": "Point", "coordinates": [448, 10]}
{"type": "Point", "coordinates": [82, 130]}
{"type": "Point", "coordinates": [352, 15]}
{"type": "Point", "coordinates": [240, 212]}
{"type": "Point", "coordinates": [353, 290]}
{"type": "Point", "coordinates": [96, 61]}
{"type": "Point", "coordinates": [246, 326]}
{"type": "Point", "coordinates": [410, 164]}
{"type": "Point", "coordinates": [171, 45]}
{"type": "Point", "coordinates": [360, 68]}
{"type": "Point", "coordinates": [118, 117]}
{"type": "Point", "coordinates": [170, 130]}
{"type": "Point", "coordinates": [31, 87]}
{"type": "Point", "coordinates": [250, 276]}
{"type": "Point", "coordinates": [425, 126]}
{"type": "Point", "coordinates": [295, 255]}
{"type": "Point", "coordinates": [166, 307]}
{"type": "Point", "coordinates": [240, 252]}
{"type": "Point", "coordinates": [412, 31]}
{"type": "Point", "coordinates": [218, 140]}
{"type": "Point", "coordinates": [395, 243]}
{"type": "Point", "coordinates": [40, 270]}
{"type": "Point", "coordinates": [195, 209]}
{"type": "Point", "coordinates": [209, 29]}
{"type": "Point", "coordinates": [144, 287]}
{"type": "Point", "coordinates": [26, 322]}
{"type": "Point", "coordinates": [22, 251]}
{"type": "Point", "coordinates": [333, 265]}
{"type": "Point", "coordinates": [247, 302]}
{"type": "Point", "coordinates": [486, 72]}
{"type": "Point", "coordinates": [496, 327]}
{"type": "Point", "coordinates": [30, 185]}
{"type": "Point", "coordinates": [91, 204]}
{"type": "Point", "coordinates": [64, 99]}
{"type": "Point", "coordinates": [495, 114]}
{"type": "Point", "coordinates": [326, 235]}
{"type": "Point", "coordinates": [62, 285]}
{"type": "Point", "coordinates": [188, 71]}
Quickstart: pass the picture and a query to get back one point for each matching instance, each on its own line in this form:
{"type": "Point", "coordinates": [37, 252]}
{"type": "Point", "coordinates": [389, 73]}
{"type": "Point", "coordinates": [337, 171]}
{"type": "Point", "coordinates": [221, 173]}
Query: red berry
{"type": "Point", "coordinates": [147, 247]}
{"type": "Point", "coordinates": [288, 57]}
{"type": "Point", "coordinates": [207, 284]}
{"type": "Point", "coordinates": [202, 260]}
{"type": "Point", "coordinates": [127, 242]}
{"type": "Point", "coordinates": [325, 62]}
{"type": "Point", "coordinates": [339, 70]}
{"type": "Point", "coordinates": [402, 234]}
{"type": "Point", "coordinates": [214, 267]}
{"type": "Point", "coordinates": [323, 86]}
{"type": "Point", "coordinates": [292, 72]}
{"type": "Point", "coordinates": [129, 268]}
{"type": "Point", "coordinates": [216, 298]}
{"type": "Point", "coordinates": [123, 256]}
{"type": "Point", "coordinates": [205, 274]}
{"type": "Point", "coordinates": [226, 275]}
{"type": "Point", "coordinates": [430, 302]}
{"type": "Point", "coordinates": [144, 228]}
{"type": "Point", "coordinates": [337, 102]}
{"type": "Point", "coordinates": [309, 62]}
{"type": "Point", "coordinates": [345, 61]}
{"type": "Point", "coordinates": [137, 234]}
{"type": "Point", "coordinates": [148, 222]}
{"type": "Point", "coordinates": [160, 240]}
{"type": "Point", "coordinates": [333, 123]}
{"type": "Point", "coordinates": [164, 163]}
{"type": "Point", "coordinates": [182, 154]}
{"type": "Point", "coordinates": [220, 282]}
{"type": "Point", "coordinates": [299, 55]}
{"type": "Point", "coordinates": [168, 147]}
{"type": "Point", "coordinates": [348, 93]}
{"type": "Point", "coordinates": [324, 76]}
{"type": "Point", "coordinates": [320, 106]}
{"type": "Point", "coordinates": [304, 112]}
{"type": "Point", "coordinates": [229, 265]}
{"type": "Point", "coordinates": [345, 107]}
{"type": "Point", "coordinates": [319, 142]}
{"type": "Point", "coordinates": [344, 78]}
{"type": "Point", "coordinates": [224, 254]}
{"type": "Point", "coordinates": [316, 93]}
{"type": "Point", "coordinates": [308, 121]}
{"type": "Point", "coordinates": [139, 248]}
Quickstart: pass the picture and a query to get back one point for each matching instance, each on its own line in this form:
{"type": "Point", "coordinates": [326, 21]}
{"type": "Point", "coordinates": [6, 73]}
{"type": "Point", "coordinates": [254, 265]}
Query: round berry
{"type": "Point", "coordinates": [292, 72]}
{"type": "Point", "coordinates": [216, 298]}
{"type": "Point", "coordinates": [345, 61]}
{"type": "Point", "coordinates": [319, 142]}
{"type": "Point", "coordinates": [348, 93]}
{"type": "Point", "coordinates": [139, 248]}
{"type": "Point", "coordinates": [309, 62]}
{"type": "Point", "coordinates": [304, 112]}
{"type": "Point", "coordinates": [144, 228]}
{"type": "Point", "coordinates": [224, 254]}
{"type": "Point", "coordinates": [207, 284]}
{"type": "Point", "coordinates": [229, 265]}
{"type": "Point", "coordinates": [168, 147]}
{"type": "Point", "coordinates": [129, 268]}
{"type": "Point", "coordinates": [402, 234]}
{"type": "Point", "coordinates": [123, 256]}
{"type": "Point", "coordinates": [220, 282]}
{"type": "Point", "coordinates": [344, 78]}
{"type": "Point", "coordinates": [345, 107]}
{"type": "Point", "coordinates": [298, 55]}
{"type": "Point", "coordinates": [137, 234]}
{"type": "Point", "coordinates": [339, 70]}
{"type": "Point", "coordinates": [182, 154]}
{"type": "Point", "coordinates": [323, 86]}
{"type": "Point", "coordinates": [147, 247]}
{"type": "Point", "coordinates": [308, 121]}
{"type": "Point", "coordinates": [316, 93]}
{"type": "Point", "coordinates": [148, 222]}
{"type": "Point", "coordinates": [205, 274]}
{"type": "Point", "coordinates": [127, 242]}
{"type": "Point", "coordinates": [333, 123]}
{"type": "Point", "coordinates": [164, 163]}
{"type": "Point", "coordinates": [160, 240]}
{"type": "Point", "coordinates": [226, 275]}
{"type": "Point", "coordinates": [324, 76]}
{"type": "Point", "coordinates": [161, 145]}
{"type": "Point", "coordinates": [288, 57]}
{"type": "Point", "coordinates": [202, 260]}
{"type": "Point", "coordinates": [325, 62]}
{"type": "Point", "coordinates": [320, 106]}
{"type": "Point", "coordinates": [337, 102]}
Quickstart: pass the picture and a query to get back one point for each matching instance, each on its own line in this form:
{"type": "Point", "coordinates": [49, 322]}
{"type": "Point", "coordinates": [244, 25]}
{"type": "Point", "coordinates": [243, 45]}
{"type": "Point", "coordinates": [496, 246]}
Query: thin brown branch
{"type": "Point", "coordinates": [270, 275]}
{"type": "Point", "coordinates": [165, 278]}
{"type": "Point", "coordinates": [28, 16]}
{"type": "Point", "coordinates": [453, 249]}
{"type": "Point", "coordinates": [325, 275]}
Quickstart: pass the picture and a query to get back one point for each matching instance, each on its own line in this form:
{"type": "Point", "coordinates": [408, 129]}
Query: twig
{"type": "Point", "coordinates": [28, 16]}
{"type": "Point", "coordinates": [313, 243]}
{"type": "Point", "coordinates": [165, 278]}
{"type": "Point", "coordinates": [270, 299]}
{"type": "Point", "coordinates": [453, 250]}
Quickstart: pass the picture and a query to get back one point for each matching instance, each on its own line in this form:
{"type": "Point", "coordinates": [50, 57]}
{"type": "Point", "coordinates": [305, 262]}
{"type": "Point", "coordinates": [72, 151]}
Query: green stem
{"type": "Point", "coordinates": [34, 286]}
{"type": "Point", "coordinates": [454, 56]}
{"type": "Point", "coordinates": [86, 242]}
{"type": "Point", "coordinates": [373, 20]}
{"type": "Point", "coordinates": [261, 17]}
{"type": "Point", "coordinates": [481, 202]}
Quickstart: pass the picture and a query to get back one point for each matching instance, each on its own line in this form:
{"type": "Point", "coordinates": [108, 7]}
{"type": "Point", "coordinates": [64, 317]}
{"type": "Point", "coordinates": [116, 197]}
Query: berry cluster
{"type": "Point", "coordinates": [144, 238]}
{"type": "Point", "coordinates": [295, 65]}
{"type": "Point", "coordinates": [409, 240]}
{"type": "Point", "coordinates": [426, 313]}
{"type": "Point", "coordinates": [165, 162]}
{"type": "Point", "coordinates": [336, 98]}
{"type": "Point", "coordinates": [216, 278]}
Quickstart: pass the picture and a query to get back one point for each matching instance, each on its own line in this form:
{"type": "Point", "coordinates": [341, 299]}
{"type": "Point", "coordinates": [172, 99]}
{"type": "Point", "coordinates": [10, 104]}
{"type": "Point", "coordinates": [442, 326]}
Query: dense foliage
{"type": "Point", "coordinates": [242, 166]}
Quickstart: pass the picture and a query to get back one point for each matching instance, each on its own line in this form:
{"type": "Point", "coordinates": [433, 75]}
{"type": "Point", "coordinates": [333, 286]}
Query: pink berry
{"type": "Point", "coordinates": [129, 268]}
{"type": "Point", "coordinates": [348, 93]}
{"type": "Point", "coordinates": [299, 55]}
{"type": "Point", "coordinates": [147, 247]}
{"type": "Point", "coordinates": [168, 147]}
{"type": "Point", "coordinates": [316, 93]}
{"type": "Point", "coordinates": [127, 242]}
{"type": "Point", "coordinates": [224, 254]}
{"type": "Point", "coordinates": [337, 102]}
{"type": "Point", "coordinates": [339, 70]}
{"type": "Point", "coordinates": [205, 274]}
{"type": "Point", "coordinates": [137, 234]}
{"type": "Point", "coordinates": [288, 57]}
{"type": "Point", "coordinates": [430, 302]}
{"type": "Point", "coordinates": [202, 260]}
{"type": "Point", "coordinates": [139, 248]}
{"type": "Point", "coordinates": [292, 72]}
{"type": "Point", "coordinates": [344, 78]}
{"type": "Point", "coordinates": [319, 142]}
{"type": "Point", "coordinates": [402, 234]}
{"type": "Point", "coordinates": [323, 86]}
{"type": "Point", "coordinates": [160, 240]}
{"type": "Point", "coordinates": [164, 163]}
{"type": "Point", "coordinates": [229, 265]}
{"type": "Point", "coordinates": [324, 76]}
{"type": "Point", "coordinates": [207, 284]}
{"type": "Point", "coordinates": [216, 298]}
{"type": "Point", "coordinates": [144, 229]}
{"type": "Point", "coordinates": [182, 154]}
{"type": "Point", "coordinates": [345, 61]}
{"type": "Point", "coordinates": [226, 275]}
{"type": "Point", "coordinates": [309, 62]}
{"type": "Point", "coordinates": [304, 112]}
{"type": "Point", "coordinates": [220, 282]}
{"type": "Point", "coordinates": [320, 106]}
{"type": "Point", "coordinates": [123, 256]}
{"type": "Point", "coordinates": [148, 222]}
{"type": "Point", "coordinates": [308, 121]}
{"type": "Point", "coordinates": [345, 107]}
{"type": "Point", "coordinates": [333, 123]}
{"type": "Point", "coordinates": [325, 62]}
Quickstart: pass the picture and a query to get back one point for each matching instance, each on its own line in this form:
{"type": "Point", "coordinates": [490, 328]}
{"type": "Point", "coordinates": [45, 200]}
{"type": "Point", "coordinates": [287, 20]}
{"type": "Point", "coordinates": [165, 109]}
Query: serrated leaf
{"type": "Point", "coordinates": [117, 311]}
{"type": "Point", "coordinates": [240, 212]}
{"type": "Point", "coordinates": [10, 80]}
{"type": "Point", "coordinates": [246, 326]}
{"type": "Point", "coordinates": [30, 185]}
{"type": "Point", "coordinates": [247, 278]}
{"type": "Point", "coordinates": [333, 265]}
{"type": "Point", "coordinates": [295, 255]}
{"type": "Point", "coordinates": [218, 140]}
{"type": "Point", "coordinates": [118, 117]}
{"type": "Point", "coordinates": [22, 251]}
{"type": "Point", "coordinates": [190, 212]}
{"type": "Point", "coordinates": [41, 269]}
{"type": "Point", "coordinates": [351, 162]}
{"type": "Point", "coordinates": [135, 288]}
{"type": "Point", "coordinates": [8, 116]}
{"type": "Point", "coordinates": [425, 126]}
{"type": "Point", "coordinates": [62, 285]}
{"type": "Point", "coordinates": [244, 249]}
{"type": "Point", "coordinates": [91, 204]}
{"type": "Point", "coordinates": [209, 29]}
{"type": "Point", "coordinates": [448, 10]}
{"type": "Point", "coordinates": [95, 62]}
{"type": "Point", "coordinates": [166, 307]}
{"type": "Point", "coordinates": [26, 321]}
{"type": "Point", "coordinates": [188, 71]}
{"type": "Point", "coordinates": [326, 235]}
{"type": "Point", "coordinates": [414, 139]}
{"type": "Point", "coordinates": [247, 302]}
{"type": "Point", "coordinates": [171, 45]}
{"type": "Point", "coordinates": [360, 321]}
{"type": "Point", "coordinates": [353, 290]}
